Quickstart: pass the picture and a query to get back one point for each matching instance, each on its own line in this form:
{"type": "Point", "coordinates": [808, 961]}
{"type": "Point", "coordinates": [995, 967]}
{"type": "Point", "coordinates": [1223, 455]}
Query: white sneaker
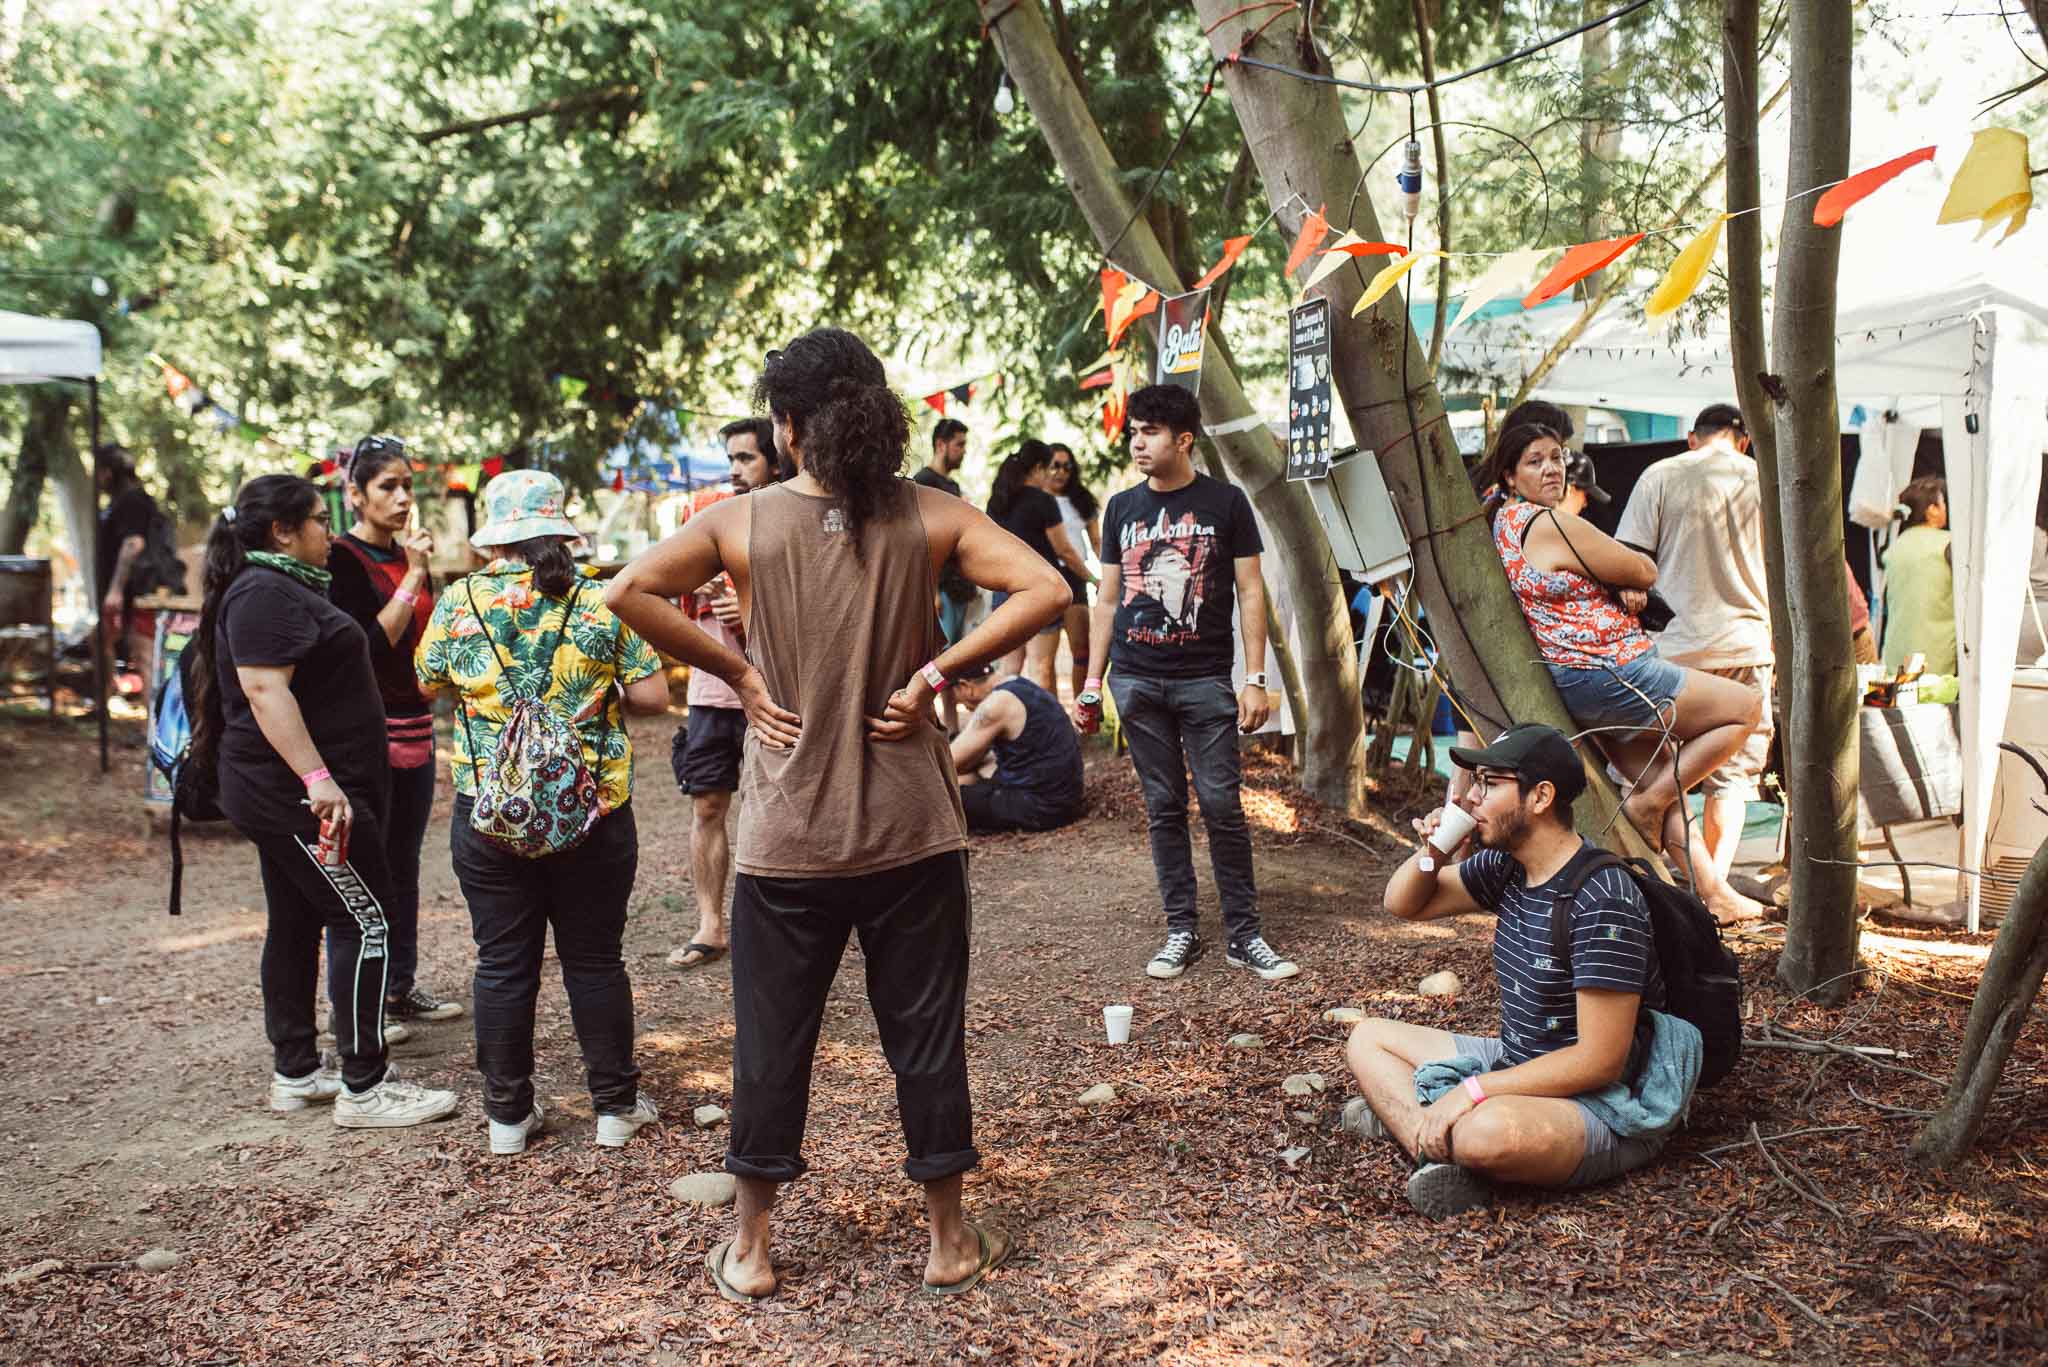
{"type": "Point", "coordinates": [614, 1130]}
{"type": "Point", "coordinates": [395, 1032]}
{"type": "Point", "coordinates": [392, 1105]}
{"type": "Point", "coordinates": [511, 1139]}
{"type": "Point", "coordinates": [297, 1093]}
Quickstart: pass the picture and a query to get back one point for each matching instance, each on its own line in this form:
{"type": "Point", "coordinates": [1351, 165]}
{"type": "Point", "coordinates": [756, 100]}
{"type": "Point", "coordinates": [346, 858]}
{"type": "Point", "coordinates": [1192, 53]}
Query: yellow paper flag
{"type": "Point", "coordinates": [1386, 279]}
{"type": "Point", "coordinates": [1993, 184]}
{"type": "Point", "coordinates": [1133, 302]}
{"type": "Point", "coordinates": [1687, 270]}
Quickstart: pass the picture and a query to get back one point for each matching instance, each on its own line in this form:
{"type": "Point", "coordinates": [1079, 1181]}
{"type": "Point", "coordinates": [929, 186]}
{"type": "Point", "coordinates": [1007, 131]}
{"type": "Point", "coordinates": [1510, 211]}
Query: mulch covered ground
{"type": "Point", "coordinates": [1165, 1225]}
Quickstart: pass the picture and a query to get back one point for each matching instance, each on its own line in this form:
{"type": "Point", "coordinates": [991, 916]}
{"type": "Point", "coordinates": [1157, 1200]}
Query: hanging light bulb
{"type": "Point", "coordinates": [100, 287]}
{"type": "Point", "coordinates": [1409, 179]}
{"type": "Point", "coordinates": [1005, 101]}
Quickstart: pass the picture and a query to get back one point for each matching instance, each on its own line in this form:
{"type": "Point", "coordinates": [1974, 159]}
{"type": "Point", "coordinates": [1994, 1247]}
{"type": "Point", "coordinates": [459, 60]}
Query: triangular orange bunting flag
{"type": "Point", "coordinates": [1133, 302]}
{"type": "Point", "coordinates": [1113, 281]}
{"type": "Point", "coordinates": [1578, 263]}
{"type": "Point", "coordinates": [1233, 247]}
{"type": "Point", "coordinates": [1314, 229]}
{"type": "Point", "coordinates": [1828, 211]}
{"type": "Point", "coordinates": [937, 400]}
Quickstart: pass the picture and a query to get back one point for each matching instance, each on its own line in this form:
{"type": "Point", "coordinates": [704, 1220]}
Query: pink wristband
{"type": "Point", "coordinates": [406, 596]}
{"type": "Point", "coordinates": [1477, 1092]}
{"type": "Point", "coordinates": [1093, 685]}
{"type": "Point", "coordinates": [313, 776]}
{"type": "Point", "coordinates": [934, 676]}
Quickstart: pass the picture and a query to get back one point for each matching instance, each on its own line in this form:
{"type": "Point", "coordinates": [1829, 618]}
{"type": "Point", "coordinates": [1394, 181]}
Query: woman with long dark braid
{"type": "Point", "coordinates": [380, 579]}
{"type": "Point", "coordinates": [285, 712]}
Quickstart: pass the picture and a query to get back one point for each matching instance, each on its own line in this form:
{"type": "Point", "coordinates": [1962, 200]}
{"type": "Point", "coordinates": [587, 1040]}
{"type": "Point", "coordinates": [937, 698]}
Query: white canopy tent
{"type": "Point", "coordinates": [1968, 358]}
{"type": "Point", "coordinates": [38, 350]}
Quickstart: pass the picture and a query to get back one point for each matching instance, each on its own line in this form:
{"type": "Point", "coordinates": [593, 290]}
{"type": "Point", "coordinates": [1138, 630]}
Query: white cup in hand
{"type": "Point", "coordinates": [1454, 823]}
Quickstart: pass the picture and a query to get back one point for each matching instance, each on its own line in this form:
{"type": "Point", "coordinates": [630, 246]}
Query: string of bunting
{"type": "Point", "coordinates": [964, 392]}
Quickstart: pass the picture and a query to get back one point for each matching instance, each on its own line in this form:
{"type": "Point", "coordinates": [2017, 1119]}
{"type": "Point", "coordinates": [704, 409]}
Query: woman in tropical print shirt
{"type": "Point", "coordinates": [496, 628]}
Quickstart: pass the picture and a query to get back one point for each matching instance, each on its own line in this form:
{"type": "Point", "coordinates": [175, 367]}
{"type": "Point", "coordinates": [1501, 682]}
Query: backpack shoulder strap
{"type": "Point", "coordinates": [469, 591]}
{"type": "Point", "coordinates": [1561, 907]}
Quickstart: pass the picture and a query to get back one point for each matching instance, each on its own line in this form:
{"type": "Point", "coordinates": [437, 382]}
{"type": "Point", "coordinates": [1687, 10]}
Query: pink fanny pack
{"type": "Point", "coordinates": [410, 741]}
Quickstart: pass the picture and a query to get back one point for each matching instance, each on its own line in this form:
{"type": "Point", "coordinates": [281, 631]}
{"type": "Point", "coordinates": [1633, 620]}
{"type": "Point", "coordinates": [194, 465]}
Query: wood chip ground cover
{"type": "Point", "coordinates": [1161, 1226]}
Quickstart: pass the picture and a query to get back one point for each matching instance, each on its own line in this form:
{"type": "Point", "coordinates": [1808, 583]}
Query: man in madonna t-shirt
{"type": "Point", "coordinates": [1177, 552]}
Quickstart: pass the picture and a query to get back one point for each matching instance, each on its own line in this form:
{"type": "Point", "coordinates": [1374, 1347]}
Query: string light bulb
{"type": "Point", "coordinates": [1005, 101]}
{"type": "Point", "coordinates": [1409, 179]}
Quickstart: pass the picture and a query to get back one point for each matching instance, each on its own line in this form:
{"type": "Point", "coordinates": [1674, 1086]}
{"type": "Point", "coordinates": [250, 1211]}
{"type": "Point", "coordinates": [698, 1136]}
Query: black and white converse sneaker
{"type": "Point", "coordinates": [418, 1004]}
{"type": "Point", "coordinates": [1259, 957]}
{"type": "Point", "coordinates": [1182, 948]}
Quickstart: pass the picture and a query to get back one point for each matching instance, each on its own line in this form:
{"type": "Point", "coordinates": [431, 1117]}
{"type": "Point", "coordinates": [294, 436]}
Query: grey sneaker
{"type": "Point", "coordinates": [1259, 957]}
{"type": "Point", "coordinates": [394, 1033]}
{"type": "Point", "coordinates": [392, 1105]}
{"type": "Point", "coordinates": [297, 1093]}
{"type": "Point", "coordinates": [1439, 1190]}
{"type": "Point", "coordinates": [510, 1139]}
{"type": "Point", "coordinates": [614, 1130]}
{"type": "Point", "coordinates": [417, 1005]}
{"type": "Point", "coordinates": [1182, 948]}
{"type": "Point", "coordinates": [1360, 1119]}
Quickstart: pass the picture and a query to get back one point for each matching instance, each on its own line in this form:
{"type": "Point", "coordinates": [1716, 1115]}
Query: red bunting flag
{"type": "Point", "coordinates": [1233, 247]}
{"type": "Point", "coordinates": [1098, 379]}
{"type": "Point", "coordinates": [1369, 248]}
{"type": "Point", "coordinates": [1314, 229]}
{"type": "Point", "coordinates": [1828, 211]}
{"type": "Point", "coordinates": [494, 467]}
{"type": "Point", "coordinates": [937, 400]}
{"type": "Point", "coordinates": [1578, 263]}
{"type": "Point", "coordinates": [1113, 414]}
{"type": "Point", "coordinates": [619, 482]}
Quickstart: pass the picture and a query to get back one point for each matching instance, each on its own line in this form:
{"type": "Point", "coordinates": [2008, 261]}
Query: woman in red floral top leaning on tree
{"type": "Point", "coordinates": [1581, 591]}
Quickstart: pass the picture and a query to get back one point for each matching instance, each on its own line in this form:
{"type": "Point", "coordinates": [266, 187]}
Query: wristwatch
{"type": "Point", "coordinates": [1257, 680]}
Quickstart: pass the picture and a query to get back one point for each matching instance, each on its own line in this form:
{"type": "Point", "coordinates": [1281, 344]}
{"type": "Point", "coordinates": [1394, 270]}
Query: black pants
{"type": "Point", "coordinates": [993, 806]}
{"type": "Point", "coordinates": [787, 938]}
{"type": "Point", "coordinates": [512, 902]}
{"type": "Point", "coordinates": [412, 803]}
{"type": "Point", "coordinates": [303, 899]}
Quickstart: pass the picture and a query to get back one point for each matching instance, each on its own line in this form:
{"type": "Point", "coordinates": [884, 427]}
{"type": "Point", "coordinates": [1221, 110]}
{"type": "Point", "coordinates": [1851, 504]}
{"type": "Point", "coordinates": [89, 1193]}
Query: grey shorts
{"type": "Point", "coordinates": [1607, 1153]}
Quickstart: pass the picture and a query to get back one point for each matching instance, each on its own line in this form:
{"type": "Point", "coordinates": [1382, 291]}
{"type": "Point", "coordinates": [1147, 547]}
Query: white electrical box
{"type": "Point", "coordinates": [1359, 517]}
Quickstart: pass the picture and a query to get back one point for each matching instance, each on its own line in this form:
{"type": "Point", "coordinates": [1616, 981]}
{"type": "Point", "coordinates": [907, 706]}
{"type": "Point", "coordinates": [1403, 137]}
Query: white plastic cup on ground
{"type": "Point", "coordinates": [1117, 1020]}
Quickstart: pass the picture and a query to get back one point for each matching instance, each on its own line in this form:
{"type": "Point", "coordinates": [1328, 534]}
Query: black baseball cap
{"type": "Point", "coordinates": [1536, 752]}
{"type": "Point", "coordinates": [1720, 417]}
{"type": "Point", "coordinates": [1579, 470]}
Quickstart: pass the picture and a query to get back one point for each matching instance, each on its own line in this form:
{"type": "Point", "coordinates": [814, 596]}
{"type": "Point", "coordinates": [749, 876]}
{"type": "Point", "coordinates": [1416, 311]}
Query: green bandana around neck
{"type": "Point", "coordinates": [311, 576]}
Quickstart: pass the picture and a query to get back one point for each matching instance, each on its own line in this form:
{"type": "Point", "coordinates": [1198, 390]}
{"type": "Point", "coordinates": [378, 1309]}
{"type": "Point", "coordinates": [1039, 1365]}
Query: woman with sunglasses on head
{"type": "Point", "coordinates": [286, 715]}
{"type": "Point", "coordinates": [380, 580]}
{"type": "Point", "coordinates": [1081, 518]}
{"type": "Point", "coordinates": [1021, 503]}
{"type": "Point", "coordinates": [1580, 590]}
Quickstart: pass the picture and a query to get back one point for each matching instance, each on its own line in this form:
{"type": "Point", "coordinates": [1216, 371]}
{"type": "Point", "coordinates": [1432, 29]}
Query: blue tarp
{"type": "Point", "coordinates": [659, 457]}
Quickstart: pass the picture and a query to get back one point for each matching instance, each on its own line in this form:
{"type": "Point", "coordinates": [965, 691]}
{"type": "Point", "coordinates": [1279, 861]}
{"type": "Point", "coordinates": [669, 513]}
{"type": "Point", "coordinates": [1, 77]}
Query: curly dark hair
{"type": "Point", "coordinates": [844, 418]}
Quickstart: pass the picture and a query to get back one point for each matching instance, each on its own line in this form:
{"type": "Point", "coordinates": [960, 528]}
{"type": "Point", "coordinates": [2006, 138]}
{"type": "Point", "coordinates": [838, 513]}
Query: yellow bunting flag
{"type": "Point", "coordinates": [1504, 276]}
{"type": "Point", "coordinates": [1688, 268]}
{"type": "Point", "coordinates": [1992, 185]}
{"type": "Point", "coordinates": [1133, 301]}
{"type": "Point", "coordinates": [1386, 279]}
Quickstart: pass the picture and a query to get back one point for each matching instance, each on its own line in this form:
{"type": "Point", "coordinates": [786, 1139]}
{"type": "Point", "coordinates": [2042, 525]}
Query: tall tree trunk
{"type": "Point", "coordinates": [1599, 131]}
{"type": "Point", "coordinates": [1333, 727]}
{"type": "Point", "coordinates": [2005, 996]}
{"type": "Point", "coordinates": [1746, 342]}
{"type": "Point", "coordinates": [42, 435]}
{"type": "Point", "coordinates": [1820, 715]}
{"type": "Point", "coordinates": [1297, 134]}
{"type": "Point", "coordinates": [1425, 42]}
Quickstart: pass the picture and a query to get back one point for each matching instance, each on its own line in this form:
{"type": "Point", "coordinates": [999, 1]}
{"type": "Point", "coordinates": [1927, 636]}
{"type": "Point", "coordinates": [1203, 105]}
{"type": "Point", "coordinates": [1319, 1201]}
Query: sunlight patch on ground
{"type": "Point", "coordinates": [1271, 812]}
{"type": "Point", "coordinates": [245, 927]}
{"type": "Point", "coordinates": [1940, 949]}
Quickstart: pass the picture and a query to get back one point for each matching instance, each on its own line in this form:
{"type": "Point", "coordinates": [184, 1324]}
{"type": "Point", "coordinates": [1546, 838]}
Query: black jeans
{"type": "Point", "coordinates": [787, 938]}
{"type": "Point", "coordinates": [1164, 719]}
{"type": "Point", "coordinates": [405, 831]}
{"type": "Point", "coordinates": [993, 807]}
{"type": "Point", "coordinates": [304, 898]}
{"type": "Point", "coordinates": [512, 902]}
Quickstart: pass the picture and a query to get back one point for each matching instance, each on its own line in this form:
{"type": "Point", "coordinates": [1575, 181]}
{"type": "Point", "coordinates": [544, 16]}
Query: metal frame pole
{"type": "Point", "coordinates": [99, 635]}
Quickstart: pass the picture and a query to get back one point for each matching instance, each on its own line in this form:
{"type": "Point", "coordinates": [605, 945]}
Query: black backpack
{"type": "Point", "coordinates": [195, 788]}
{"type": "Point", "coordinates": [1702, 980]}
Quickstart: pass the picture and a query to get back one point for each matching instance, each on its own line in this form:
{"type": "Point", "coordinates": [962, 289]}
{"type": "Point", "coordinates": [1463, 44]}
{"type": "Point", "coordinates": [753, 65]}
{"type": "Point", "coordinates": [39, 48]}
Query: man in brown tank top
{"type": "Point", "coordinates": [849, 819]}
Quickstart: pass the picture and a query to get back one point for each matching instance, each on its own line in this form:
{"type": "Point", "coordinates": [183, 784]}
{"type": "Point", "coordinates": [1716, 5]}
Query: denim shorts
{"type": "Point", "coordinates": [1051, 628]}
{"type": "Point", "coordinates": [1597, 697]}
{"type": "Point", "coordinates": [1607, 1153]}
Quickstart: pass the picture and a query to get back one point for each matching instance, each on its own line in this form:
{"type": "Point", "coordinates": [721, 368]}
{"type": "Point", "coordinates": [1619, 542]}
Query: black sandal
{"type": "Point", "coordinates": [706, 954]}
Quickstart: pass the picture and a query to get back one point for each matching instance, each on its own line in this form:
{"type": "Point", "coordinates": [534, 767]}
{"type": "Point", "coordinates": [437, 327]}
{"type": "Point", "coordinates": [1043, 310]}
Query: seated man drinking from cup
{"type": "Point", "coordinates": [1585, 1080]}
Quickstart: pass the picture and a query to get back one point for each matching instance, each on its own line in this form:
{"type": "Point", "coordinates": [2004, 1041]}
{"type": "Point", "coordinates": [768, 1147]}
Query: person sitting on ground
{"type": "Point", "coordinates": [1037, 781]}
{"type": "Point", "coordinates": [1919, 582]}
{"type": "Point", "coordinates": [1580, 590]}
{"type": "Point", "coordinates": [1586, 1078]}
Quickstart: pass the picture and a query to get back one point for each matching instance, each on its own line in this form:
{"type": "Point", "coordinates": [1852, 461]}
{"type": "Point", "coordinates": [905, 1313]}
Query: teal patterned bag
{"type": "Point", "coordinates": [534, 794]}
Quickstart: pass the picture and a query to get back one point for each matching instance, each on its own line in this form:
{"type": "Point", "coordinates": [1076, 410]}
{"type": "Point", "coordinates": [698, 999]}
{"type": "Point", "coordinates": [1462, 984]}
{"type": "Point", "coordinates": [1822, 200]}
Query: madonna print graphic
{"type": "Point", "coordinates": [1175, 555]}
{"type": "Point", "coordinates": [1166, 572]}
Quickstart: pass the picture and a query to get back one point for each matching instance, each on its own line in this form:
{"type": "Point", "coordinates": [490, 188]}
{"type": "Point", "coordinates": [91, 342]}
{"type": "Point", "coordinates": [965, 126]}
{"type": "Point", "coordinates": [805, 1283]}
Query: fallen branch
{"type": "Point", "coordinates": [1797, 1190]}
{"type": "Point", "coordinates": [1803, 1307]}
{"type": "Point", "coordinates": [1888, 1110]}
{"type": "Point", "coordinates": [1861, 1053]}
{"type": "Point", "coordinates": [1803, 1046]}
{"type": "Point", "coordinates": [1774, 1138]}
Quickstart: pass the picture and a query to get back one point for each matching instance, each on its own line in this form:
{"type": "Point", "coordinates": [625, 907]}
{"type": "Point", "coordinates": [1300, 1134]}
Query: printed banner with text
{"type": "Point", "coordinates": [1308, 390]}
{"type": "Point", "coordinates": [1183, 336]}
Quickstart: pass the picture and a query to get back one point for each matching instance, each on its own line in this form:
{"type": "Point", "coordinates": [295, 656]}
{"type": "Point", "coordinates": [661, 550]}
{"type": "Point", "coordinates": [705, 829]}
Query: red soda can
{"type": "Point", "coordinates": [332, 851]}
{"type": "Point", "coordinates": [1088, 712]}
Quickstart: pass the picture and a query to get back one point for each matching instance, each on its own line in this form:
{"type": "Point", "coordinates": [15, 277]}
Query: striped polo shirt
{"type": "Point", "coordinates": [1613, 947]}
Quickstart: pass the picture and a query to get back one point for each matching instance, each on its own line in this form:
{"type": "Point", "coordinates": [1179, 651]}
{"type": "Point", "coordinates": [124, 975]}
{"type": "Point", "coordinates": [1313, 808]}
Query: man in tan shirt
{"type": "Point", "coordinates": [1700, 517]}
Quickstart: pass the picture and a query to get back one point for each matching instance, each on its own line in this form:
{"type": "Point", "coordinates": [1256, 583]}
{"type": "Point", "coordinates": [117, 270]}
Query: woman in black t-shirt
{"type": "Point", "coordinates": [380, 579]}
{"type": "Point", "coordinates": [1021, 504]}
{"type": "Point", "coordinates": [286, 715]}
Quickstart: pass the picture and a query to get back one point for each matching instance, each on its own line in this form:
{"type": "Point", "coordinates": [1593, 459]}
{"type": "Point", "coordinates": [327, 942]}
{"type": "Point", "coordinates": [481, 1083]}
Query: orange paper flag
{"type": "Point", "coordinates": [1233, 247]}
{"type": "Point", "coordinates": [1578, 263]}
{"type": "Point", "coordinates": [1314, 229]}
{"type": "Point", "coordinates": [1113, 281]}
{"type": "Point", "coordinates": [1133, 302]}
{"type": "Point", "coordinates": [1828, 211]}
{"type": "Point", "coordinates": [937, 400]}
{"type": "Point", "coordinates": [1098, 379]}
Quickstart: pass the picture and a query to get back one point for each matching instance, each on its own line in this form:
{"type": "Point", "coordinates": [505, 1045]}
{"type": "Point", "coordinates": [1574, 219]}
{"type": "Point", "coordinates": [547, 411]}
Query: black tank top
{"type": "Point", "coordinates": [1045, 759]}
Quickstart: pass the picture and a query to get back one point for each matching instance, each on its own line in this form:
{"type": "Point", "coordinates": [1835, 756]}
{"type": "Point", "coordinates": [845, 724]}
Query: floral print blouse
{"type": "Point", "coordinates": [1575, 621]}
{"type": "Point", "coordinates": [597, 651]}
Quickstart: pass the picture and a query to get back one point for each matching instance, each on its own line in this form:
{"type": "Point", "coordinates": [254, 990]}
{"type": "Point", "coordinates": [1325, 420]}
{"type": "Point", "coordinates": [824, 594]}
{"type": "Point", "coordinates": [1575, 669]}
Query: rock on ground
{"type": "Point", "coordinates": [705, 1188]}
{"type": "Point", "coordinates": [1101, 1094]}
{"type": "Point", "coordinates": [1444, 984]}
{"type": "Point", "coordinates": [706, 1116]}
{"type": "Point", "coordinates": [1304, 1084]}
{"type": "Point", "coordinates": [157, 1260]}
{"type": "Point", "coordinates": [1343, 1015]}
{"type": "Point", "coordinates": [1245, 1041]}
{"type": "Point", "coordinates": [35, 1271]}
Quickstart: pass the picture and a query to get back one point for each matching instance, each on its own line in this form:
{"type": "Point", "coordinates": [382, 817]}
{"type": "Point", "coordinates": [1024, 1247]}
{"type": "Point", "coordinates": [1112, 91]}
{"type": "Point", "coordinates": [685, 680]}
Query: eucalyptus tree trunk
{"type": "Point", "coordinates": [1332, 727]}
{"type": "Point", "coordinates": [47, 406]}
{"type": "Point", "coordinates": [1821, 701]}
{"type": "Point", "coordinates": [1302, 147]}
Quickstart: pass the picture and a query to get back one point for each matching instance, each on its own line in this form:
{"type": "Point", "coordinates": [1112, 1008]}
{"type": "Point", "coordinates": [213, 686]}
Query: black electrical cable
{"type": "Point", "coordinates": [1208, 89]}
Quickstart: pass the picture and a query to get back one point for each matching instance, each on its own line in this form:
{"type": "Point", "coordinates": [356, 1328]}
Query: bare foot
{"type": "Point", "coordinates": [751, 1273]}
{"type": "Point", "coordinates": [1645, 811]}
{"type": "Point", "coordinates": [1732, 908]}
{"type": "Point", "coordinates": [957, 1258]}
